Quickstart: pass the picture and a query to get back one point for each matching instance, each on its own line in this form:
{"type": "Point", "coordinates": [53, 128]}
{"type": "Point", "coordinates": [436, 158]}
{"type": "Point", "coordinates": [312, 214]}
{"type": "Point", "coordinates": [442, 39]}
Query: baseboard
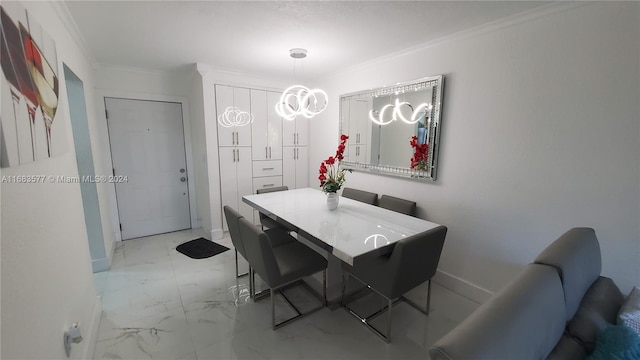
{"type": "Point", "coordinates": [462, 287]}
{"type": "Point", "coordinates": [102, 264]}
{"type": "Point", "coordinates": [217, 234]}
{"type": "Point", "coordinates": [91, 337]}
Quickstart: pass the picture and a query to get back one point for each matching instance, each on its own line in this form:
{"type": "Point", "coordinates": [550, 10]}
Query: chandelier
{"type": "Point", "coordinates": [300, 100]}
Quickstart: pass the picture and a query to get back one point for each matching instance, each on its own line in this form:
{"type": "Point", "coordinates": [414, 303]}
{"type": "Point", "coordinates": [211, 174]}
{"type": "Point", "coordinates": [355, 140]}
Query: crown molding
{"type": "Point", "coordinates": [64, 14]}
{"type": "Point", "coordinates": [523, 17]}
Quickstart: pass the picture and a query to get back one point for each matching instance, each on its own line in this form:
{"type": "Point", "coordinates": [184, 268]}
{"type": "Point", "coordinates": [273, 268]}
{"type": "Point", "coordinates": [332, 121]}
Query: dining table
{"type": "Point", "coordinates": [350, 232]}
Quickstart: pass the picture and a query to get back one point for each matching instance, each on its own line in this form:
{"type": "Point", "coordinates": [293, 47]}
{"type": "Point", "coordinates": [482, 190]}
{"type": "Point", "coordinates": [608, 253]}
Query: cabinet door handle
{"type": "Point", "coordinates": [266, 156]}
{"type": "Point", "coordinates": [237, 140]}
{"type": "Point", "coordinates": [238, 150]}
{"type": "Point", "coordinates": [234, 155]}
{"type": "Point", "coordinates": [269, 152]}
{"type": "Point", "coordinates": [233, 139]}
{"type": "Point", "coordinates": [268, 185]}
{"type": "Point", "coordinates": [267, 168]}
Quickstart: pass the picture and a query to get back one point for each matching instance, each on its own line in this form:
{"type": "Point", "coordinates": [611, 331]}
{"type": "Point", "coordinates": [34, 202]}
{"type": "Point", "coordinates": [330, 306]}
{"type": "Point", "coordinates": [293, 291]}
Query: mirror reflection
{"type": "Point", "coordinates": [394, 130]}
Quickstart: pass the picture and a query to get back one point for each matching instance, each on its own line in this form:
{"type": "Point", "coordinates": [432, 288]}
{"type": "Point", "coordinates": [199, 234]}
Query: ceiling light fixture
{"type": "Point", "coordinates": [300, 100]}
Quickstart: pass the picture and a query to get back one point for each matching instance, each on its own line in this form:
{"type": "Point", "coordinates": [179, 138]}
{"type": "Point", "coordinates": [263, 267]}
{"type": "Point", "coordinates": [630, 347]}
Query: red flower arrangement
{"type": "Point", "coordinates": [331, 175]}
{"type": "Point", "coordinates": [420, 154]}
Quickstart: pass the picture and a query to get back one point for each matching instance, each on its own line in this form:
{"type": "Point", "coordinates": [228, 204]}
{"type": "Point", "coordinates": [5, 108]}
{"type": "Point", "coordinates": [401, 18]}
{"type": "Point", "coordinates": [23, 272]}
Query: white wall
{"type": "Point", "coordinates": [541, 133]}
{"type": "Point", "coordinates": [200, 157]}
{"type": "Point", "coordinates": [47, 281]}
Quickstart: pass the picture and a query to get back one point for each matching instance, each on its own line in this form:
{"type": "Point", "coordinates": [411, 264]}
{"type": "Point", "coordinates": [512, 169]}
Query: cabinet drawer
{"type": "Point", "coordinates": [267, 168]}
{"type": "Point", "coordinates": [266, 182]}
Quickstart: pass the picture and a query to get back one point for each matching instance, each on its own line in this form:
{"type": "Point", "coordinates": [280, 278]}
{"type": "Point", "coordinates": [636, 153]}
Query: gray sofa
{"type": "Point", "coordinates": [554, 309]}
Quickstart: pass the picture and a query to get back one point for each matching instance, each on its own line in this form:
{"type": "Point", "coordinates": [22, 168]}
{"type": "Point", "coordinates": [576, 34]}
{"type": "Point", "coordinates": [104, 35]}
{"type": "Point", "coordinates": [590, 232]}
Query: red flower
{"type": "Point", "coordinates": [331, 175]}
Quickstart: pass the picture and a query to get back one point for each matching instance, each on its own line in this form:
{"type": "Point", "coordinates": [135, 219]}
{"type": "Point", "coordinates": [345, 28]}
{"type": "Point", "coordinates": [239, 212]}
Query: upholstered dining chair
{"type": "Point", "coordinates": [413, 261]}
{"type": "Point", "coordinates": [266, 221]}
{"type": "Point", "coordinates": [232, 218]}
{"type": "Point", "coordinates": [403, 206]}
{"type": "Point", "coordinates": [360, 195]}
{"type": "Point", "coordinates": [281, 266]}
{"type": "Point", "coordinates": [277, 237]}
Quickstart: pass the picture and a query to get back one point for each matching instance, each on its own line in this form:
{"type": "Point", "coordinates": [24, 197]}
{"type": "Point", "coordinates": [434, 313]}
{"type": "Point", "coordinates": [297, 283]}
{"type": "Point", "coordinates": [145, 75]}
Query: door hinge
{"type": "Point", "coordinates": [113, 171]}
{"type": "Point", "coordinates": [106, 114]}
{"type": "Point", "coordinates": [120, 226]}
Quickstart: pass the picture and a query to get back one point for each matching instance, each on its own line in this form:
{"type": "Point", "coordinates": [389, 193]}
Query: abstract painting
{"type": "Point", "coordinates": [29, 90]}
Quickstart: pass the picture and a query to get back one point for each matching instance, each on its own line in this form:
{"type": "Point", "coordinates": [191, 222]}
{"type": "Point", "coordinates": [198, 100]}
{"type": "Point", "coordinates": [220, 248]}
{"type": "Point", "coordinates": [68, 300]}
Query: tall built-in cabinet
{"type": "Point", "coordinates": [295, 155]}
{"type": "Point", "coordinates": [236, 168]}
{"type": "Point", "coordinates": [268, 152]}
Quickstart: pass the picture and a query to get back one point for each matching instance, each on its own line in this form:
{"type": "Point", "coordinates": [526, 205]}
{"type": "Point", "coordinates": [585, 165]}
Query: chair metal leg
{"type": "Point", "coordinates": [237, 269]}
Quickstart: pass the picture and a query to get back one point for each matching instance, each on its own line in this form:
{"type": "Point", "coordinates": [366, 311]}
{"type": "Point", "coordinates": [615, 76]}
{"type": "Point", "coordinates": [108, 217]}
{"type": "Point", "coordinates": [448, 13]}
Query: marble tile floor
{"type": "Point", "coordinates": [160, 304]}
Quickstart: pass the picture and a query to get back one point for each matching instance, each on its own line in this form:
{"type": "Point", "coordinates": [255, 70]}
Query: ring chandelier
{"type": "Point", "coordinates": [396, 113]}
{"type": "Point", "coordinates": [233, 117]}
{"type": "Point", "coordinates": [300, 100]}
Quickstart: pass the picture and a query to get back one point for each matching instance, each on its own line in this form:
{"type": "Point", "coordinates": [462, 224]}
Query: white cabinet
{"type": "Point", "coordinates": [233, 98]}
{"type": "Point", "coordinates": [295, 167]}
{"type": "Point", "coordinates": [236, 178]}
{"type": "Point", "coordinates": [295, 132]}
{"type": "Point", "coordinates": [295, 138]}
{"type": "Point", "coordinates": [359, 130]}
{"type": "Point", "coordinates": [267, 126]}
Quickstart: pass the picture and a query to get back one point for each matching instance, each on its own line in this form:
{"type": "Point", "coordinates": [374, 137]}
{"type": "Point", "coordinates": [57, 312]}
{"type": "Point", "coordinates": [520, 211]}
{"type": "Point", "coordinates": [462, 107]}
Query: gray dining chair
{"type": "Point", "coordinates": [360, 195]}
{"type": "Point", "coordinates": [403, 206]}
{"type": "Point", "coordinates": [277, 237]}
{"type": "Point", "coordinates": [413, 261]}
{"type": "Point", "coordinates": [281, 266]}
{"type": "Point", "coordinates": [232, 218]}
{"type": "Point", "coordinates": [266, 221]}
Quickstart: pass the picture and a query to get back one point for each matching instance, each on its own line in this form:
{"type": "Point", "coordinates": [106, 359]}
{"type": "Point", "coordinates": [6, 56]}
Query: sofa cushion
{"type": "Point", "coordinates": [524, 320]}
{"type": "Point", "coordinates": [629, 314]}
{"type": "Point", "coordinates": [576, 256]}
{"type": "Point", "coordinates": [617, 343]}
{"type": "Point", "coordinates": [568, 348]}
{"type": "Point", "coordinates": [598, 310]}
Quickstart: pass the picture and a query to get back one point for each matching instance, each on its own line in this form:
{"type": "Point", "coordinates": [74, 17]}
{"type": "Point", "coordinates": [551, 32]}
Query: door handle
{"type": "Point", "coordinates": [238, 150]}
{"type": "Point", "coordinates": [266, 153]}
{"type": "Point", "coordinates": [183, 179]}
{"type": "Point", "coordinates": [182, 171]}
{"type": "Point", "coordinates": [269, 152]}
{"type": "Point", "coordinates": [234, 155]}
{"type": "Point", "coordinates": [233, 138]}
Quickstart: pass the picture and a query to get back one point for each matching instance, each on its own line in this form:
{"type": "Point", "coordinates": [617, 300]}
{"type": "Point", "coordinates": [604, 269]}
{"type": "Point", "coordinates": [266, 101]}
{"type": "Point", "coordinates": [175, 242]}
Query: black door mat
{"type": "Point", "coordinates": [201, 248]}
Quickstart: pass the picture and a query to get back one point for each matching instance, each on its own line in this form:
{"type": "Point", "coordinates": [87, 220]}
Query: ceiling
{"type": "Point", "coordinates": [254, 37]}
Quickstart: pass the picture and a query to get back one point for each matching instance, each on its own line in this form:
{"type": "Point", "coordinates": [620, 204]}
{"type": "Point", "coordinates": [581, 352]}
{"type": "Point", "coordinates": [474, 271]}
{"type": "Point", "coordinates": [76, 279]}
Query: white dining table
{"type": "Point", "coordinates": [352, 230]}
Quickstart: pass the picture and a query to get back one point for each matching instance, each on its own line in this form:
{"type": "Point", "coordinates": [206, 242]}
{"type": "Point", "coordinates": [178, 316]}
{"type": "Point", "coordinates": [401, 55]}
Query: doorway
{"type": "Point", "coordinates": [149, 166]}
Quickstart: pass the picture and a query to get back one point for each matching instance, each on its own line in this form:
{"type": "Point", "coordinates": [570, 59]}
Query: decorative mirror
{"type": "Point", "coordinates": [394, 130]}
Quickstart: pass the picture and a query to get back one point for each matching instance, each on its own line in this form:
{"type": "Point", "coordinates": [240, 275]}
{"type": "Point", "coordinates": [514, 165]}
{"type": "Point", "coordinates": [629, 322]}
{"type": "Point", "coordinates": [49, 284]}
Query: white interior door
{"type": "Point", "coordinates": [148, 153]}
